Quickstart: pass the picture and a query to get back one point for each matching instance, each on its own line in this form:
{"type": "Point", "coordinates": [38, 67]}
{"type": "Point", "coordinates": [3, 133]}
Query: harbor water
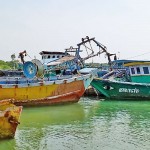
{"type": "Point", "coordinates": [90, 124]}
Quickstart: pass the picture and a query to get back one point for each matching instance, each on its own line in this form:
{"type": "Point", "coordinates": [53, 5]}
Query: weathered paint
{"type": "Point", "coordinates": [49, 92]}
{"type": "Point", "coordinates": [9, 119]}
{"type": "Point", "coordinates": [122, 90]}
{"type": "Point", "coordinates": [87, 82]}
{"type": "Point", "coordinates": [136, 63]}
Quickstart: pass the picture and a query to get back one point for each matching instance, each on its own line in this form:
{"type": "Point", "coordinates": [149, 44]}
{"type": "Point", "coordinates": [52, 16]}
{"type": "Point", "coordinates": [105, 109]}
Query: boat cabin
{"type": "Point", "coordinates": [139, 71]}
{"type": "Point", "coordinates": [49, 56]}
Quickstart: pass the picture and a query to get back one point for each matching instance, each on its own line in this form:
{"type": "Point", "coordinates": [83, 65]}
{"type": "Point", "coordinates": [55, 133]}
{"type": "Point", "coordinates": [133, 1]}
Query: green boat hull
{"type": "Point", "coordinates": [122, 90]}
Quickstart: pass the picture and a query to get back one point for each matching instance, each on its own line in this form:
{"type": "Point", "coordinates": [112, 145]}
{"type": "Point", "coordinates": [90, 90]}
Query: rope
{"type": "Point", "coordinates": [29, 56]}
{"type": "Point", "coordinates": [86, 48]}
{"type": "Point", "coordinates": [138, 55]}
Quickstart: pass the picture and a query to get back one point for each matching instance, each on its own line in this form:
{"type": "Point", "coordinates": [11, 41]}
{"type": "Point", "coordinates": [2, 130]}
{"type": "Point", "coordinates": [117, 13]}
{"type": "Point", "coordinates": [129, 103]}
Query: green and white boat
{"type": "Point", "coordinates": [138, 88]}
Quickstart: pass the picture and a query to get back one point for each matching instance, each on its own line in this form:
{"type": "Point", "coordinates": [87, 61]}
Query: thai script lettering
{"type": "Point", "coordinates": [125, 90]}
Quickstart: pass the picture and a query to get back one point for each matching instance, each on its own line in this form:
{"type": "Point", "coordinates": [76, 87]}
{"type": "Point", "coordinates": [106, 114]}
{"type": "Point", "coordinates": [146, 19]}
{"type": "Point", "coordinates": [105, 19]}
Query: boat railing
{"type": "Point", "coordinates": [118, 74]}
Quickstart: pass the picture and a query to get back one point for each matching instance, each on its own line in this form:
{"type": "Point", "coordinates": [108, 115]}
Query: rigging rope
{"type": "Point", "coordinates": [138, 55]}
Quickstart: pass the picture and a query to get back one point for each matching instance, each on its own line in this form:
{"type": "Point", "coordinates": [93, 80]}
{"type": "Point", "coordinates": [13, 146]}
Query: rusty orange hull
{"type": "Point", "coordinates": [9, 119]}
{"type": "Point", "coordinates": [47, 93]}
{"type": "Point", "coordinates": [70, 96]}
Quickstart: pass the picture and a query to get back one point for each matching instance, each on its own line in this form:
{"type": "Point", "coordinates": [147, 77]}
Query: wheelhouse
{"type": "Point", "coordinates": [139, 71]}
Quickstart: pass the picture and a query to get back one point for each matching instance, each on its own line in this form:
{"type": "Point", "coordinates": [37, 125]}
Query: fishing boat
{"type": "Point", "coordinates": [73, 60]}
{"type": "Point", "coordinates": [9, 118]}
{"type": "Point", "coordinates": [66, 85]}
{"type": "Point", "coordinates": [136, 86]}
{"type": "Point", "coordinates": [34, 89]}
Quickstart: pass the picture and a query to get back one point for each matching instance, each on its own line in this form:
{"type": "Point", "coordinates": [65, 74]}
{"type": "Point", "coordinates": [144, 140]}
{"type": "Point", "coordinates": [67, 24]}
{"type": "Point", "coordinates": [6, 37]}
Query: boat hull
{"type": "Point", "coordinates": [47, 92]}
{"type": "Point", "coordinates": [9, 119]}
{"type": "Point", "coordinates": [122, 90]}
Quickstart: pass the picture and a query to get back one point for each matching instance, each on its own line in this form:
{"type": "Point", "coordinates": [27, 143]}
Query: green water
{"type": "Point", "coordinates": [90, 124]}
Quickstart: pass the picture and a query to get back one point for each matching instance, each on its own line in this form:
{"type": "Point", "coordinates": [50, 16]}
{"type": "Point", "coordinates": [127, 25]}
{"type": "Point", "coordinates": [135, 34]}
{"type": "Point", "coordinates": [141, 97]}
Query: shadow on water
{"type": "Point", "coordinates": [51, 115]}
{"type": "Point", "coordinates": [36, 122]}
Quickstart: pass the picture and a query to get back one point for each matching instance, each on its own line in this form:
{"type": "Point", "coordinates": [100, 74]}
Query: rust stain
{"type": "Point", "coordinates": [46, 94]}
{"type": "Point", "coordinates": [9, 119]}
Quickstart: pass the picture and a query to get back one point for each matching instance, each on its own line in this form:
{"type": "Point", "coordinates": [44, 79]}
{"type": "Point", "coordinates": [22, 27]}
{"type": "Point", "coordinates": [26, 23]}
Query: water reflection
{"type": "Point", "coordinates": [125, 124]}
{"type": "Point", "coordinates": [42, 122]}
{"type": "Point", "coordinates": [51, 115]}
{"type": "Point", "coordinates": [90, 124]}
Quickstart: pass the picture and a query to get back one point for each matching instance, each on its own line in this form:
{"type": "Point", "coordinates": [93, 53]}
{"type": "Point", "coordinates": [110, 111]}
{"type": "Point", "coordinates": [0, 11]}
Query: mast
{"type": "Point", "coordinates": [102, 49]}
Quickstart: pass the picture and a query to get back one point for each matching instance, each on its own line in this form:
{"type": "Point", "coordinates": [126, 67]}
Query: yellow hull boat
{"type": "Point", "coordinates": [9, 118]}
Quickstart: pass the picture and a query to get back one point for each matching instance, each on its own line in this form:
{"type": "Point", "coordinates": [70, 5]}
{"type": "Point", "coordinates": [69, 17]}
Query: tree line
{"type": "Point", "coordinates": [7, 65]}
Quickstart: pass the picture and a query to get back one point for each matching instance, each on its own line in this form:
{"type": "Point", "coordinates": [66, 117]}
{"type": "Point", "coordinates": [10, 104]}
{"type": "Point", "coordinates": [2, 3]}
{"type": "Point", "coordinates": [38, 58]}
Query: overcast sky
{"type": "Point", "coordinates": [123, 26]}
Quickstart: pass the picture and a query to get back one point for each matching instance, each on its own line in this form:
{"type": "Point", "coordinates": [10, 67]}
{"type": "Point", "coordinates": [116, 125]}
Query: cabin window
{"type": "Point", "coordinates": [49, 56]}
{"type": "Point", "coordinates": [138, 70]}
{"type": "Point", "coordinates": [145, 70]}
{"type": "Point", "coordinates": [42, 57]}
{"type": "Point", "coordinates": [132, 71]}
{"type": "Point", "coordinates": [58, 56]}
{"type": "Point", "coordinates": [53, 56]}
